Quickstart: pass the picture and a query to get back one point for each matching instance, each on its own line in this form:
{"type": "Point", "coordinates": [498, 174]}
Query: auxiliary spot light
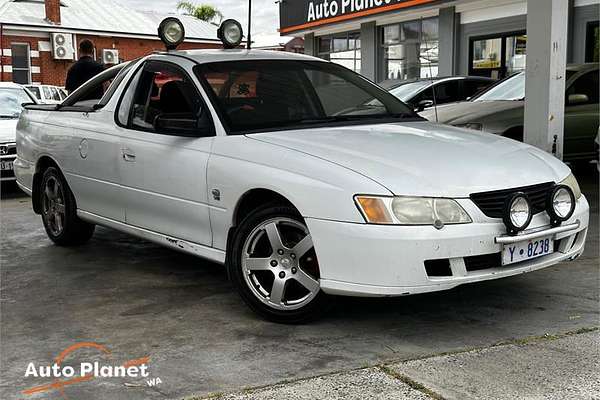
{"type": "Point", "coordinates": [231, 34]}
{"type": "Point", "coordinates": [171, 32]}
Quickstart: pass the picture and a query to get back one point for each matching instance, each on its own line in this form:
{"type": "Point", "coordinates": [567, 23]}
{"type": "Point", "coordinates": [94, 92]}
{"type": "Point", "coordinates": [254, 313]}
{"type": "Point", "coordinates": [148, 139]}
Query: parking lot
{"type": "Point", "coordinates": [138, 299]}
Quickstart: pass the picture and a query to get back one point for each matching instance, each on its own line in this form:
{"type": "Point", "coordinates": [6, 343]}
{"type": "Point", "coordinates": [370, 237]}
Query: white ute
{"type": "Point", "coordinates": [302, 177]}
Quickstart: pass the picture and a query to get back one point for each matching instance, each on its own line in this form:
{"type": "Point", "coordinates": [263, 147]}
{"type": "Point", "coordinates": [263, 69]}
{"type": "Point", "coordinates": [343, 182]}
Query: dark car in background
{"type": "Point", "coordinates": [419, 93]}
{"type": "Point", "coordinates": [500, 110]}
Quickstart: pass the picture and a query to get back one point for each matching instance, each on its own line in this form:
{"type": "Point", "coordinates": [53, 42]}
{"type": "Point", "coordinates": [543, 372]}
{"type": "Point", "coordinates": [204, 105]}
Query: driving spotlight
{"type": "Point", "coordinates": [560, 204]}
{"type": "Point", "coordinates": [171, 32]}
{"type": "Point", "coordinates": [517, 213]}
{"type": "Point", "coordinates": [230, 33]}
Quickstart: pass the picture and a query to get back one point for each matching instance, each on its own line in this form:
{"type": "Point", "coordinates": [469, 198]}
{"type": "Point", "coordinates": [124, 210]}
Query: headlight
{"type": "Point", "coordinates": [571, 182]}
{"type": "Point", "coordinates": [411, 211]}
{"type": "Point", "coordinates": [471, 125]}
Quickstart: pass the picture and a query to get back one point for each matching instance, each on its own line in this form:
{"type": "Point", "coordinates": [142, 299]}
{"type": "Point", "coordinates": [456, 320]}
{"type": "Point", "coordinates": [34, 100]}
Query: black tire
{"type": "Point", "coordinates": [314, 308]}
{"type": "Point", "coordinates": [68, 230]}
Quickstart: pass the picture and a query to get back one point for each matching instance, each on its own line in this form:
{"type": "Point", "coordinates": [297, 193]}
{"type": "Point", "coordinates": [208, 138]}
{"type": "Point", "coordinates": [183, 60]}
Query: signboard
{"type": "Point", "coordinates": [296, 15]}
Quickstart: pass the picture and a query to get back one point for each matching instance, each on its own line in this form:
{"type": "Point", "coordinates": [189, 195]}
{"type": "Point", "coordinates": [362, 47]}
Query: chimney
{"type": "Point", "coordinates": [52, 11]}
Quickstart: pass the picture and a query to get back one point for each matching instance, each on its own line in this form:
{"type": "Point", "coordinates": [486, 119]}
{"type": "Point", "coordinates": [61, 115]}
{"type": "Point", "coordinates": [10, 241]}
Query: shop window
{"type": "Point", "coordinates": [592, 42]}
{"type": "Point", "coordinates": [411, 49]}
{"type": "Point", "coordinates": [21, 65]}
{"type": "Point", "coordinates": [342, 49]}
{"type": "Point", "coordinates": [499, 56]}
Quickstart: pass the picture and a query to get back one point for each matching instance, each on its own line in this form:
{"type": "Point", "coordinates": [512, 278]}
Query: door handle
{"type": "Point", "coordinates": [128, 155]}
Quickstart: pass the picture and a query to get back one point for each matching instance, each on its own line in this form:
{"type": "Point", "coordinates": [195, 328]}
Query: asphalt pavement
{"type": "Point", "coordinates": [138, 299]}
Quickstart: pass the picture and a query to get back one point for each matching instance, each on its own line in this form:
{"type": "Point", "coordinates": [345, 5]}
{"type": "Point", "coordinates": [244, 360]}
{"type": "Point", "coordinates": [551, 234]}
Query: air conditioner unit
{"type": "Point", "coordinates": [110, 56]}
{"type": "Point", "coordinates": [62, 46]}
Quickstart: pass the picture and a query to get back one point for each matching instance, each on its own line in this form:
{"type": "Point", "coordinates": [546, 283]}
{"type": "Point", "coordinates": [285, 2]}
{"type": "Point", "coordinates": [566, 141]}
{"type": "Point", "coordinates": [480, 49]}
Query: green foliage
{"type": "Point", "coordinates": [205, 12]}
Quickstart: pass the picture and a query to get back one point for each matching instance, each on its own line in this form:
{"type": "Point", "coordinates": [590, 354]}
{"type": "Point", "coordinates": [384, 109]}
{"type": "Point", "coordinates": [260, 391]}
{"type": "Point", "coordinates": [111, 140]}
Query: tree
{"type": "Point", "coordinates": [205, 12]}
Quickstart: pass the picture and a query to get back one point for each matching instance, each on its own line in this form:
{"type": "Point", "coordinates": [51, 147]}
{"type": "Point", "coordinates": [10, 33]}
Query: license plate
{"type": "Point", "coordinates": [6, 166]}
{"type": "Point", "coordinates": [522, 251]}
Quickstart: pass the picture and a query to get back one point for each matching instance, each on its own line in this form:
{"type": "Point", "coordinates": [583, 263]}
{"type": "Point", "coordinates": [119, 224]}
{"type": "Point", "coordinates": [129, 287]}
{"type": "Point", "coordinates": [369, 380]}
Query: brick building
{"type": "Point", "coordinates": [39, 39]}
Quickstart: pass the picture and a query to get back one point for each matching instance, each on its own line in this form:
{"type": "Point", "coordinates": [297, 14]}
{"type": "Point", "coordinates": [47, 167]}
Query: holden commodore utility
{"type": "Point", "coordinates": [301, 177]}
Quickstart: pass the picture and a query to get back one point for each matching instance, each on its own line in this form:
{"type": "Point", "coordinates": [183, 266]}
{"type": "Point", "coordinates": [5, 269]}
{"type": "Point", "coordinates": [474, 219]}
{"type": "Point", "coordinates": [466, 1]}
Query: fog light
{"type": "Point", "coordinates": [560, 204]}
{"type": "Point", "coordinates": [230, 33]}
{"type": "Point", "coordinates": [171, 32]}
{"type": "Point", "coordinates": [517, 213]}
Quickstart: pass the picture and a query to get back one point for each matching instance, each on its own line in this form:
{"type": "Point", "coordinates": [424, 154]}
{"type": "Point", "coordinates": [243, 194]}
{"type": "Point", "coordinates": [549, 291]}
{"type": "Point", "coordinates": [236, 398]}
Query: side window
{"type": "Point", "coordinates": [447, 92]}
{"type": "Point", "coordinates": [167, 101]}
{"type": "Point", "coordinates": [584, 90]}
{"type": "Point", "coordinates": [426, 94]}
{"type": "Point", "coordinates": [127, 99]}
{"type": "Point", "coordinates": [47, 93]}
{"type": "Point", "coordinates": [55, 94]}
{"type": "Point", "coordinates": [472, 86]}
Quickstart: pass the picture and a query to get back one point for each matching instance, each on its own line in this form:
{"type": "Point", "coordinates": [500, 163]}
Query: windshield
{"type": "Point", "coordinates": [11, 100]}
{"type": "Point", "coordinates": [407, 91]}
{"type": "Point", "coordinates": [273, 94]}
{"type": "Point", "coordinates": [512, 88]}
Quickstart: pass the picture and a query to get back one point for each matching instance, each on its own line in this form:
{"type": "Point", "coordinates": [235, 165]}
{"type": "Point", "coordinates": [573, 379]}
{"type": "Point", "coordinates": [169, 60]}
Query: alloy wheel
{"type": "Point", "coordinates": [53, 206]}
{"type": "Point", "coordinates": [280, 265]}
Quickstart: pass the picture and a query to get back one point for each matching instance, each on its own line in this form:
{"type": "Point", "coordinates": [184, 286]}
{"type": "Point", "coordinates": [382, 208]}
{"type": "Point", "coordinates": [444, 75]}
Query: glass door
{"type": "Point", "coordinates": [497, 56]}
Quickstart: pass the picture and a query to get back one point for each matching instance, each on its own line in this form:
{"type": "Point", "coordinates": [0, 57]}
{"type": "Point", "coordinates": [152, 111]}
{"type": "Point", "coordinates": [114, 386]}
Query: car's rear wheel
{"type": "Point", "coordinates": [274, 266]}
{"type": "Point", "coordinates": [59, 211]}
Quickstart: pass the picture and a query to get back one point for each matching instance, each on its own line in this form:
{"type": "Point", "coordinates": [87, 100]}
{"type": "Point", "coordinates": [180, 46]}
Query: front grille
{"type": "Point", "coordinates": [486, 261]}
{"type": "Point", "coordinates": [492, 203]}
{"type": "Point", "coordinates": [9, 149]}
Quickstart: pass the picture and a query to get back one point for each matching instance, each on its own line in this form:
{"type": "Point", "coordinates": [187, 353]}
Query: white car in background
{"type": "Point", "coordinates": [48, 94]}
{"type": "Point", "coordinates": [12, 96]}
{"type": "Point", "coordinates": [302, 177]}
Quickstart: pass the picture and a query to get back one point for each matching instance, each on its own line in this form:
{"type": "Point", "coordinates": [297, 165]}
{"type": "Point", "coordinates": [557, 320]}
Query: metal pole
{"type": "Point", "coordinates": [249, 38]}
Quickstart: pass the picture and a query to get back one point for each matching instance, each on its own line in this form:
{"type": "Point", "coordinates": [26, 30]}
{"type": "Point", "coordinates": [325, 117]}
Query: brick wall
{"type": "Point", "coordinates": [53, 72]}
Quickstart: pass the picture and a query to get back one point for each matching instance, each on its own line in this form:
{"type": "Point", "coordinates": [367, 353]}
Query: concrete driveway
{"type": "Point", "coordinates": [138, 300]}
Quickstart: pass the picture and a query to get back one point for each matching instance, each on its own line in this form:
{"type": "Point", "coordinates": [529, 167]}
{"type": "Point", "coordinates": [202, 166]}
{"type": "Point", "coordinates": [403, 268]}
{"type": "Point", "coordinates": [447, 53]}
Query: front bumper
{"type": "Point", "coordinates": [376, 260]}
{"type": "Point", "coordinates": [8, 153]}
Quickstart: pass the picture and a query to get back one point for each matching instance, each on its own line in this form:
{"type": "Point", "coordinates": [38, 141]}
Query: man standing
{"type": "Point", "coordinates": [84, 69]}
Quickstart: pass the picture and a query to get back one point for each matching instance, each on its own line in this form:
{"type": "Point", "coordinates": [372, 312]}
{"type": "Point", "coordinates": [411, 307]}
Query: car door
{"type": "Point", "coordinates": [581, 116]}
{"type": "Point", "coordinates": [162, 160]}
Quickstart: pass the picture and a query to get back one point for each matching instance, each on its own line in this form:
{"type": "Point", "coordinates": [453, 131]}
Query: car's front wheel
{"type": "Point", "coordinates": [274, 266]}
{"type": "Point", "coordinates": [59, 211]}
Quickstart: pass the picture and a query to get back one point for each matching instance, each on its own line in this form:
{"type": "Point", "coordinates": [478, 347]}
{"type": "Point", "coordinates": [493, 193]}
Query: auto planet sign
{"type": "Point", "coordinates": [297, 15]}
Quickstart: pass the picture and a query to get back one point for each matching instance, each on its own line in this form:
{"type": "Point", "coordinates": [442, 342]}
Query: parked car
{"type": "Point", "coordinates": [248, 159]}
{"type": "Point", "coordinates": [500, 110]}
{"type": "Point", "coordinates": [11, 98]}
{"type": "Point", "coordinates": [419, 94]}
{"type": "Point", "coordinates": [48, 94]}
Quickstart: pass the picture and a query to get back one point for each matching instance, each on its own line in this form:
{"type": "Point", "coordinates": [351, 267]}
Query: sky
{"type": "Point", "coordinates": [265, 13]}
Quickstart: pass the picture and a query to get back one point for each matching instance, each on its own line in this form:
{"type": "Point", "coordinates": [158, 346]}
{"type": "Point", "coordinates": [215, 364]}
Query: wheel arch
{"type": "Point", "coordinates": [43, 163]}
{"type": "Point", "coordinates": [249, 201]}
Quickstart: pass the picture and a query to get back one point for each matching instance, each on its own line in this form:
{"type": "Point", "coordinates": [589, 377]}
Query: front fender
{"type": "Point", "coordinates": [316, 187]}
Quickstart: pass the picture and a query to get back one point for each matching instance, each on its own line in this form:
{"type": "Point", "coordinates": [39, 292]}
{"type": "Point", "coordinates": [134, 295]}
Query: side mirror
{"type": "Point", "coordinates": [423, 104]}
{"type": "Point", "coordinates": [177, 125]}
{"type": "Point", "coordinates": [575, 99]}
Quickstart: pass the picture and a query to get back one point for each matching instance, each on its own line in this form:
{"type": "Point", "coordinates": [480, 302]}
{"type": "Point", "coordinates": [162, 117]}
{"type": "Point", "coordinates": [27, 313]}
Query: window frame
{"type": "Point", "coordinates": [589, 40]}
{"type": "Point", "coordinates": [28, 57]}
{"type": "Point", "coordinates": [140, 68]}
